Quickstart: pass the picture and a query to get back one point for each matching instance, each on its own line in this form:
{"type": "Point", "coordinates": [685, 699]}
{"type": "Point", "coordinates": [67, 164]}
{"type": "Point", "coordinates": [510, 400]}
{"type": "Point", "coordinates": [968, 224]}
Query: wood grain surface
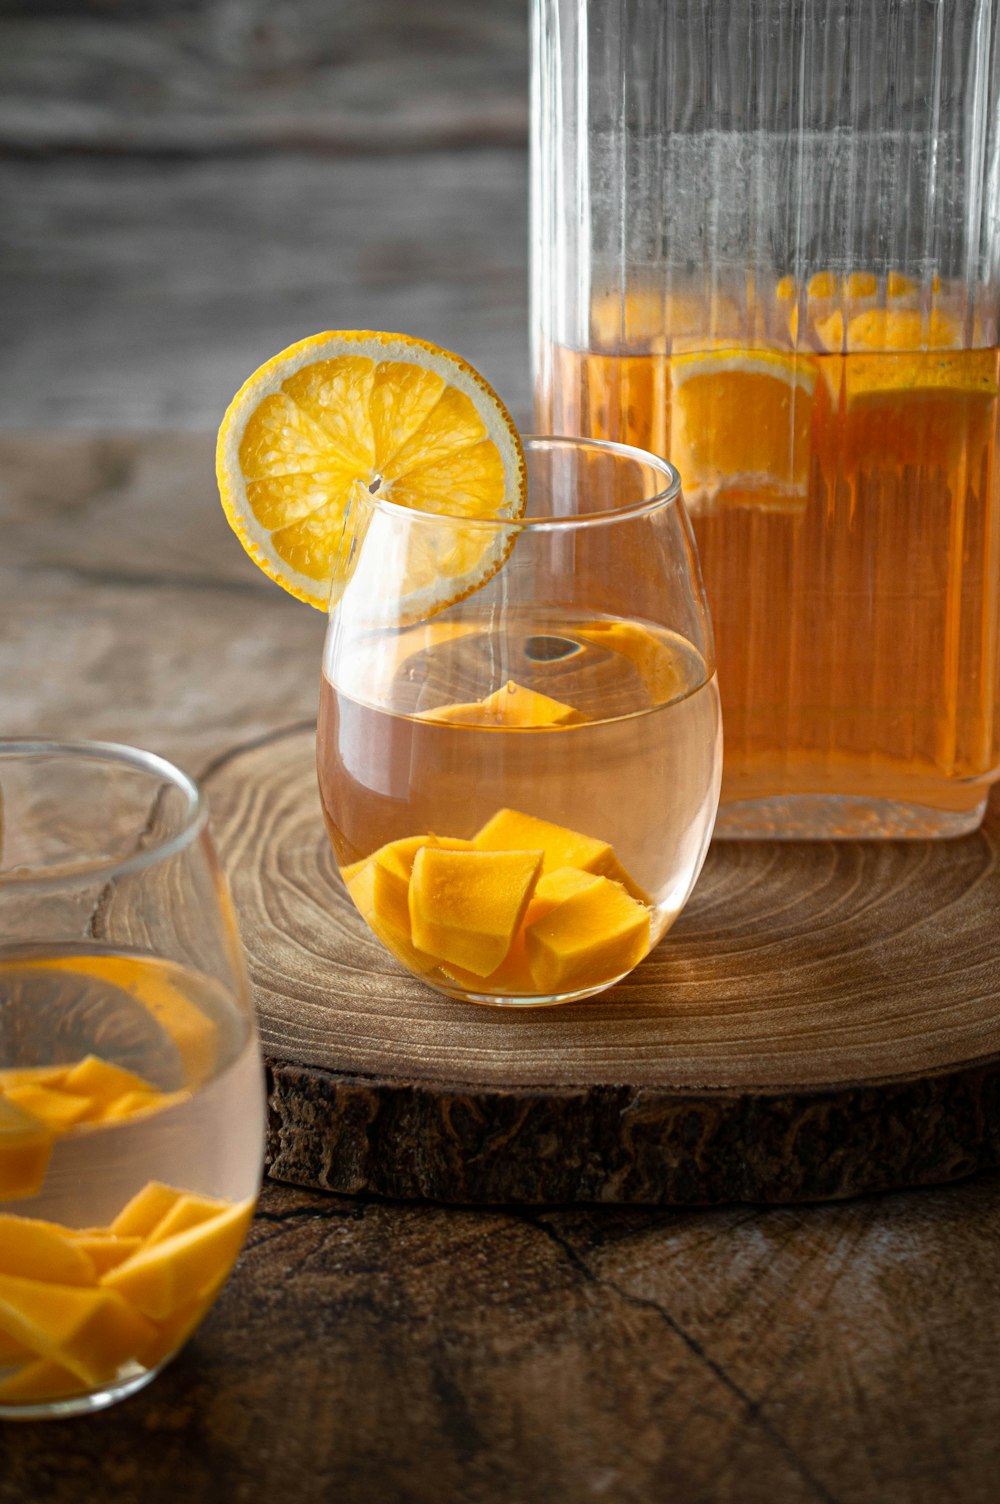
{"type": "Point", "coordinates": [375, 1350]}
{"type": "Point", "coordinates": [407, 1354]}
{"type": "Point", "coordinates": [821, 1021]}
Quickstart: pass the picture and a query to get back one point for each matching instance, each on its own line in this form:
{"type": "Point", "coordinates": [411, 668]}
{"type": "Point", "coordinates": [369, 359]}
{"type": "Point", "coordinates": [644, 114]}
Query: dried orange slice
{"type": "Point", "coordinates": [410, 422]}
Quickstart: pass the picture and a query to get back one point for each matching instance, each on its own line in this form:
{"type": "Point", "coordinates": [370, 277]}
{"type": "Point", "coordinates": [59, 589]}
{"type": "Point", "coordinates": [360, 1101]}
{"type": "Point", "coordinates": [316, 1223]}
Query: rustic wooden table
{"type": "Point", "coordinates": [369, 1350]}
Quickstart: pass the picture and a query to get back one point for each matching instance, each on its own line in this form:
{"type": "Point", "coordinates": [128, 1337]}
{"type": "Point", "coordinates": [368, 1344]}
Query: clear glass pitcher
{"type": "Point", "coordinates": [765, 246]}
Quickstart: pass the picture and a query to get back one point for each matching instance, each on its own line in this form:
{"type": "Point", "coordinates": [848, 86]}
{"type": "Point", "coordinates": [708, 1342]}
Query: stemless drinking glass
{"type": "Point", "coordinates": [131, 1091]}
{"type": "Point", "coordinates": [519, 742]}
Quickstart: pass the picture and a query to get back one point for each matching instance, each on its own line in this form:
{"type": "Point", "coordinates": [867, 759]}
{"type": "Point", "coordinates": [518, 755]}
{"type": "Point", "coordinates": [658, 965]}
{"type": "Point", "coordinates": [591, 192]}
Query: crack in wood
{"type": "Point", "coordinates": [753, 1412]}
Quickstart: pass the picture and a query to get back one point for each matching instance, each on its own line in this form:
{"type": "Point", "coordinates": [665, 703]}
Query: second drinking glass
{"type": "Point", "coordinates": [519, 743]}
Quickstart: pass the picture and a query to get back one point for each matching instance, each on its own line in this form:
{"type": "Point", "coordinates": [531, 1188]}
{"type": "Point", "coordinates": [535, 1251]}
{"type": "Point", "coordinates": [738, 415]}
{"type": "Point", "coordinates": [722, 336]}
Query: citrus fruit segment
{"type": "Point", "coordinates": [740, 425]}
{"type": "Point", "coordinates": [345, 412]}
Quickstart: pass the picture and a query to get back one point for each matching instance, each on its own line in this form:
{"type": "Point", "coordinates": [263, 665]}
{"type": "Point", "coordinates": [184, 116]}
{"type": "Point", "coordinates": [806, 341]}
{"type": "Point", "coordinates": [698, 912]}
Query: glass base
{"type": "Point", "coordinates": [552, 1000]}
{"type": "Point", "coordinates": [841, 817]}
{"type": "Point", "coordinates": [82, 1404]}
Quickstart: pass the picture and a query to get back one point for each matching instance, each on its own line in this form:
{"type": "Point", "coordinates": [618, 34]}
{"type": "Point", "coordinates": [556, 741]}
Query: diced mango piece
{"type": "Point", "coordinates": [390, 877]}
{"type": "Point", "coordinates": [188, 1211]}
{"type": "Point", "coordinates": [163, 1276]}
{"type": "Point", "coordinates": [40, 1381]}
{"type": "Point", "coordinates": [147, 1207]}
{"type": "Point", "coordinates": [351, 870]}
{"type": "Point", "coordinates": [105, 1250]}
{"type": "Point", "coordinates": [25, 1147]}
{"type": "Point", "coordinates": [465, 906]}
{"type": "Point", "coordinates": [12, 1351]}
{"type": "Point", "coordinates": [595, 935]}
{"type": "Point", "coordinates": [178, 1326]}
{"type": "Point", "coordinates": [44, 1251]}
{"type": "Point", "coordinates": [512, 977]}
{"type": "Point", "coordinates": [132, 1102]}
{"type": "Point", "coordinates": [362, 890]}
{"type": "Point", "coordinates": [511, 705]}
{"type": "Point", "coordinates": [57, 1109]}
{"type": "Point", "coordinates": [823, 285]}
{"type": "Point", "coordinates": [102, 1082]}
{"type": "Point", "coordinates": [509, 830]}
{"type": "Point", "coordinates": [92, 1332]}
{"type": "Point", "coordinates": [40, 1075]}
{"type": "Point", "coordinates": [392, 865]}
{"type": "Point", "coordinates": [555, 888]}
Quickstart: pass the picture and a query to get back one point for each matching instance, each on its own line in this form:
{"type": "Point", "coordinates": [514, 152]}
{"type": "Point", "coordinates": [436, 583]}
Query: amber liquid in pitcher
{"type": "Point", "coordinates": [847, 518]}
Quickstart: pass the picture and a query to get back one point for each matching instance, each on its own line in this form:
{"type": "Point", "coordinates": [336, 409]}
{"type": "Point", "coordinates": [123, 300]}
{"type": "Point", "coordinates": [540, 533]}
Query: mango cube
{"type": "Point", "coordinates": [40, 1381]}
{"type": "Point", "coordinates": [509, 830]}
{"type": "Point", "coordinates": [594, 935]}
{"type": "Point", "coordinates": [21, 1075]}
{"type": "Point", "coordinates": [102, 1082]}
{"type": "Point", "coordinates": [104, 1249]}
{"type": "Point", "coordinates": [58, 1110]}
{"type": "Point", "coordinates": [147, 1207]}
{"type": "Point", "coordinates": [465, 906]}
{"type": "Point", "coordinates": [391, 866]}
{"type": "Point", "coordinates": [92, 1332]}
{"type": "Point", "coordinates": [163, 1276]}
{"type": "Point", "coordinates": [511, 705]}
{"type": "Point", "coordinates": [514, 705]}
{"type": "Point", "coordinates": [178, 1326]}
{"type": "Point", "coordinates": [187, 1211]}
{"type": "Point", "coordinates": [25, 1147]}
{"type": "Point", "coordinates": [44, 1251]}
{"type": "Point", "coordinates": [132, 1102]}
{"type": "Point", "coordinates": [362, 889]}
{"type": "Point", "coordinates": [512, 977]}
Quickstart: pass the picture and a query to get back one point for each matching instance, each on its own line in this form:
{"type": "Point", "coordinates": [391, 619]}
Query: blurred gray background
{"type": "Point", "coordinates": [187, 186]}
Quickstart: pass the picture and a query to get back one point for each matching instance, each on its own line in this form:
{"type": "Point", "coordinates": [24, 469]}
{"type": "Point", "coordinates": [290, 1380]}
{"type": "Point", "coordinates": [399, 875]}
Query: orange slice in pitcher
{"type": "Point", "coordinates": [740, 430]}
{"type": "Point", "coordinates": [399, 417]}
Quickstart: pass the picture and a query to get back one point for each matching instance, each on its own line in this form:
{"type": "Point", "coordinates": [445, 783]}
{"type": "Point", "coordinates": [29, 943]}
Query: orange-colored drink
{"type": "Point", "coordinates": [530, 842]}
{"type": "Point", "coordinates": [844, 493]}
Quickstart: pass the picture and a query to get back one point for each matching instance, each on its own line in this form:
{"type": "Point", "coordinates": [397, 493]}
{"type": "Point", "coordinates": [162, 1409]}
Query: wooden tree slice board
{"type": "Point", "coordinates": [823, 1020]}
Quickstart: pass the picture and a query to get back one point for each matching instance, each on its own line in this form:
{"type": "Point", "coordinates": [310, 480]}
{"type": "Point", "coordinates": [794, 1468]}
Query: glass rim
{"type": "Point", "coordinates": [664, 496]}
{"type": "Point", "coordinates": [108, 869]}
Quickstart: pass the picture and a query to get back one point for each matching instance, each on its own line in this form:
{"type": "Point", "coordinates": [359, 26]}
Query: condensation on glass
{"type": "Point", "coordinates": [765, 242]}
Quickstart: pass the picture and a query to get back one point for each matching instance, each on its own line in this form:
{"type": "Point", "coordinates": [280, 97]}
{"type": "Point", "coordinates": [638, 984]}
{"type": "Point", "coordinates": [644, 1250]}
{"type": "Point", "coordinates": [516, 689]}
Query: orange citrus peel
{"type": "Point", "coordinates": [349, 412]}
